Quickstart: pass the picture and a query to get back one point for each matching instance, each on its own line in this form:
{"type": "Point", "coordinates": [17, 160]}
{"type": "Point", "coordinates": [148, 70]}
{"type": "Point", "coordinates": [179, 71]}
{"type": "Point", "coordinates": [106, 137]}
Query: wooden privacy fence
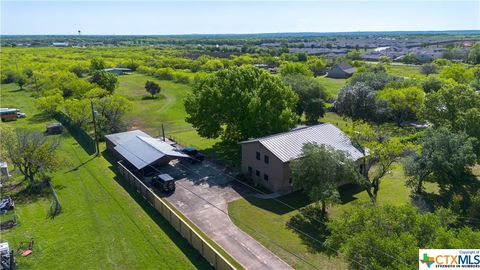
{"type": "Point", "coordinates": [181, 226]}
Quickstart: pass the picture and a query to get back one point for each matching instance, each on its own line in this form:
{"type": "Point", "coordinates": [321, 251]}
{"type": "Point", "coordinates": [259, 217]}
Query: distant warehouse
{"type": "Point", "coordinates": [267, 160]}
{"type": "Point", "coordinates": [140, 149]}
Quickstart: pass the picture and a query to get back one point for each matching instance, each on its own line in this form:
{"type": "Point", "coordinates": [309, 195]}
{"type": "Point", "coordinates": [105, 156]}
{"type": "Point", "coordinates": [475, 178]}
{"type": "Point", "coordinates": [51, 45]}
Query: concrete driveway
{"type": "Point", "coordinates": [202, 195]}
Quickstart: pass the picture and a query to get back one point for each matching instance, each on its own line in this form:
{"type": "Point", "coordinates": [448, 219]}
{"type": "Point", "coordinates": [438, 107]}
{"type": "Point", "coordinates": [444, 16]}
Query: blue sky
{"type": "Point", "coordinates": [217, 17]}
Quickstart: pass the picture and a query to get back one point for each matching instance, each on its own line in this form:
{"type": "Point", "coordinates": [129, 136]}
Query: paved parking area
{"type": "Point", "coordinates": [202, 195]}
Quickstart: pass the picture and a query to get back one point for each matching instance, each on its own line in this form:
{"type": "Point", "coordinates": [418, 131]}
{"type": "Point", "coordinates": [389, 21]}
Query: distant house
{"type": "Point", "coordinates": [267, 160]}
{"type": "Point", "coordinates": [341, 71]}
{"type": "Point", "coordinates": [118, 71]}
{"type": "Point", "coordinates": [140, 149]}
{"type": "Point", "coordinates": [60, 44]}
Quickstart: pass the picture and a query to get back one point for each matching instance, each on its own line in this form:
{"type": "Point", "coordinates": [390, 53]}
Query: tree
{"type": "Point", "coordinates": [49, 105]}
{"type": "Point", "coordinates": [403, 102]}
{"type": "Point", "coordinates": [320, 170]}
{"type": "Point", "coordinates": [240, 103]}
{"type": "Point", "coordinates": [317, 66]}
{"type": "Point", "coordinates": [457, 72]}
{"type": "Point", "coordinates": [290, 69]}
{"type": "Point", "coordinates": [105, 80]}
{"type": "Point", "coordinates": [212, 65]}
{"type": "Point", "coordinates": [428, 68]}
{"type": "Point", "coordinates": [110, 112]}
{"type": "Point", "coordinates": [31, 152]}
{"type": "Point", "coordinates": [300, 56]}
{"type": "Point", "coordinates": [431, 84]}
{"type": "Point", "coordinates": [357, 101]}
{"type": "Point", "coordinates": [454, 106]}
{"type": "Point", "coordinates": [474, 54]}
{"type": "Point", "coordinates": [379, 156]}
{"type": "Point", "coordinates": [374, 77]}
{"type": "Point", "coordinates": [20, 80]}
{"type": "Point", "coordinates": [354, 55]}
{"type": "Point", "coordinates": [410, 58]}
{"type": "Point", "coordinates": [389, 237]}
{"type": "Point", "coordinates": [311, 96]}
{"type": "Point", "coordinates": [96, 64]}
{"type": "Point", "coordinates": [152, 88]}
{"type": "Point", "coordinates": [76, 110]}
{"type": "Point", "coordinates": [385, 59]}
{"type": "Point", "coordinates": [446, 158]}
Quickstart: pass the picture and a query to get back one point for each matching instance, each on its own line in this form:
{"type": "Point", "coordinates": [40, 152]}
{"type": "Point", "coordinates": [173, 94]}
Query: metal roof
{"type": "Point", "coordinates": [122, 137]}
{"type": "Point", "coordinates": [140, 149]}
{"type": "Point", "coordinates": [288, 145]}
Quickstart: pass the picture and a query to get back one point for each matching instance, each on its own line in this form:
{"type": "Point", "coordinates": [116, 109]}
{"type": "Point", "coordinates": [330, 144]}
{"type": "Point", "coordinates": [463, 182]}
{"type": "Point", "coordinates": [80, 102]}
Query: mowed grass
{"type": "Point", "coordinates": [403, 70]}
{"type": "Point", "coordinates": [332, 86]}
{"type": "Point", "coordinates": [103, 224]}
{"type": "Point", "coordinates": [149, 114]}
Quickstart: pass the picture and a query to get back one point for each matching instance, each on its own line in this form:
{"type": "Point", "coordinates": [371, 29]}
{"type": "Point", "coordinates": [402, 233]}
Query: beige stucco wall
{"type": "Point", "coordinates": [275, 168]}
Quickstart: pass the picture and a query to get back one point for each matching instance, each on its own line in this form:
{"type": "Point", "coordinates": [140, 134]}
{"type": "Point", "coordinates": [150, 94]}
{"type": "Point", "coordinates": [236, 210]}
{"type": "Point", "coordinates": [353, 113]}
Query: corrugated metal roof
{"type": "Point", "coordinates": [122, 137]}
{"type": "Point", "coordinates": [140, 149]}
{"type": "Point", "coordinates": [288, 146]}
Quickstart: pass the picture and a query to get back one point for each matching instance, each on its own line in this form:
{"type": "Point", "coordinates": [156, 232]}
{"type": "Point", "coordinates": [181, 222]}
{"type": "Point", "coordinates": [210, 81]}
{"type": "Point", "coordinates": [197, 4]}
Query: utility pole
{"type": "Point", "coordinates": [95, 128]}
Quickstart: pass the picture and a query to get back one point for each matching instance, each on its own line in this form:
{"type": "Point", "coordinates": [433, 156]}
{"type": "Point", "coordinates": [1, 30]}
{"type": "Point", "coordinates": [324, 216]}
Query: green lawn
{"type": "Point", "coordinates": [332, 86]}
{"type": "Point", "coordinates": [149, 114]}
{"type": "Point", "coordinates": [404, 70]}
{"type": "Point", "coordinates": [103, 224]}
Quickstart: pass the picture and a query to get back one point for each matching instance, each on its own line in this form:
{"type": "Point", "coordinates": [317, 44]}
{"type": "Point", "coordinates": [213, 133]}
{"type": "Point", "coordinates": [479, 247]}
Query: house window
{"type": "Point", "coordinates": [265, 177]}
{"type": "Point", "coordinates": [250, 171]}
{"type": "Point", "coordinates": [266, 159]}
{"type": "Point", "coordinates": [257, 172]}
{"type": "Point", "coordinates": [258, 155]}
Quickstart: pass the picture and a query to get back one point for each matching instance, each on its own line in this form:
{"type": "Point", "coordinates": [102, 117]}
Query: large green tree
{"type": "Point", "coordinates": [403, 102]}
{"type": "Point", "coordinates": [311, 96]}
{"type": "Point", "coordinates": [454, 106]}
{"type": "Point", "coordinates": [105, 80]}
{"type": "Point", "coordinates": [240, 103]}
{"type": "Point", "coordinates": [111, 110]}
{"type": "Point", "coordinates": [320, 170]}
{"type": "Point", "coordinates": [446, 158]}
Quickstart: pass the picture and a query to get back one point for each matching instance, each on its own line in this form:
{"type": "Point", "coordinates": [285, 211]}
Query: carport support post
{"type": "Point", "coordinates": [95, 128]}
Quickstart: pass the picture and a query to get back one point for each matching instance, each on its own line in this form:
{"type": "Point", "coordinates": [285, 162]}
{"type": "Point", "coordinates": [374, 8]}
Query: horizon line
{"type": "Point", "coordinates": [257, 33]}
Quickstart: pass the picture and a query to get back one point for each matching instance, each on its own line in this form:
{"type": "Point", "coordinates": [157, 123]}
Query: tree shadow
{"type": "Point", "coordinates": [193, 255]}
{"type": "Point", "coordinates": [17, 90]}
{"type": "Point", "coordinates": [80, 165]}
{"type": "Point", "coordinates": [38, 118]}
{"type": "Point", "coordinates": [281, 205]}
{"type": "Point", "coordinates": [226, 153]}
{"type": "Point", "coordinates": [31, 194]}
{"type": "Point", "coordinates": [82, 138]}
{"type": "Point", "coordinates": [160, 96]}
{"type": "Point", "coordinates": [348, 191]}
{"type": "Point", "coordinates": [310, 227]}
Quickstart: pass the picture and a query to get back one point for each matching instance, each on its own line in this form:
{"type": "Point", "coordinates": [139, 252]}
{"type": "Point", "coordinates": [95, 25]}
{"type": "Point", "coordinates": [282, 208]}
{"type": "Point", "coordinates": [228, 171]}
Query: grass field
{"type": "Point", "coordinates": [103, 224]}
{"type": "Point", "coordinates": [332, 86]}
{"type": "Point", "coordinates": [149, 114]}
{"type": "Point", "coordinates": [404, 70]}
